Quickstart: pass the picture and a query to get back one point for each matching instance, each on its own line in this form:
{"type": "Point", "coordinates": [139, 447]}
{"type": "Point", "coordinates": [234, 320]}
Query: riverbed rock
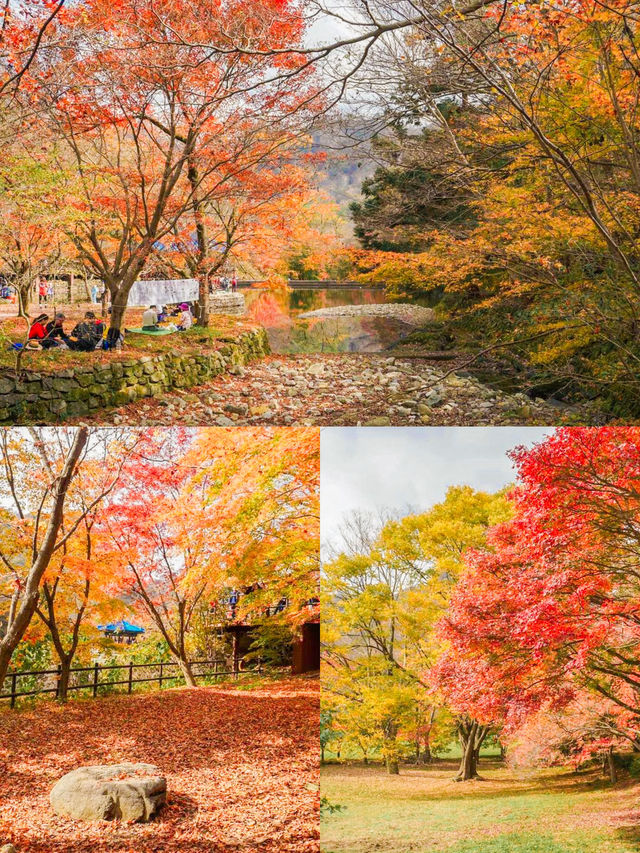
{"type": "Point", "coordinates": [413, 315]}
{"type": "Point", "coordinates": [226, 302]}
{"type": "Point", "coordinates": [379, 421]}
{"type": "Point", "coordinates": [237, 408]}
{"type": "Point", "coordinates": [282, 390]}
{"type": "Point", "coordinates": [128, 792]}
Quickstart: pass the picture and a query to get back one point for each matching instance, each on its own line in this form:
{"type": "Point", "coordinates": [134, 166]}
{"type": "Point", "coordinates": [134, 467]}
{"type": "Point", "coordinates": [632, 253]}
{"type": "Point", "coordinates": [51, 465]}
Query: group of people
{"type": "Point", "coordinates": [223, 283]}
{"type": "Point", "coordinates": [46, 292]}
{"type": "Point", "coordinates": [154, 316]}
{"type": "Point", "coordinates": [85, 336]}
{"type": "Point", "coordinates": [89, 333]}
{"type": "Point", "coordinates": [6, 290]}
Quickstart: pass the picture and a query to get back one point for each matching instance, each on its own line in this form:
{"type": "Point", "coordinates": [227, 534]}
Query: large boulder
{"type": "Point", "coordinates": [129, 792]}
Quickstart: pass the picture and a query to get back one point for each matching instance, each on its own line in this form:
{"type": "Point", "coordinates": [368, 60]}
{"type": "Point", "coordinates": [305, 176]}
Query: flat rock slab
{"type": "Point", "coordinates": [412, 315]}
{"type": "Point", "coordinates": [128, 792]}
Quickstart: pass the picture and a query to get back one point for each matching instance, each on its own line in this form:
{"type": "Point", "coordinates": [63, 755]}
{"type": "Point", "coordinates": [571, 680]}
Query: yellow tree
{"type": "Point", "coordinates": [384, 596]}
{"type": "Point", "coordinates": [267, 511]}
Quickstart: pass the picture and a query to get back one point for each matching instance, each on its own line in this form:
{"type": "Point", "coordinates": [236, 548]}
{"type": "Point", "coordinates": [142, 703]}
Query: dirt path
{"type": "Point", "coordinates": [348, 389]}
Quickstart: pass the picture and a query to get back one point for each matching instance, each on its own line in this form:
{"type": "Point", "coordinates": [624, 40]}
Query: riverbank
{"type": "Point", "coordinates": [54, 385]}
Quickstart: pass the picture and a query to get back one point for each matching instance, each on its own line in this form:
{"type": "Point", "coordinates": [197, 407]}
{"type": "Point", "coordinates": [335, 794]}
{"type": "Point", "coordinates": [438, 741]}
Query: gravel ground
{"type": "Point", "coordinates": [368, 390]}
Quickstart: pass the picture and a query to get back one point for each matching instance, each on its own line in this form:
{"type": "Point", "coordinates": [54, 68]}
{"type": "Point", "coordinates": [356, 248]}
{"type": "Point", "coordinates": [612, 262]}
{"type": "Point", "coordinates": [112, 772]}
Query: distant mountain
{"type": "Point", "coordinates": [343, 171]}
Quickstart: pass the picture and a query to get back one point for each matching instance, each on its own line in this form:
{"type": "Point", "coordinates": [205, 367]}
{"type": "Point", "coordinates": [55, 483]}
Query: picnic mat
{"type": "Point", "coordinates": [156, 332]}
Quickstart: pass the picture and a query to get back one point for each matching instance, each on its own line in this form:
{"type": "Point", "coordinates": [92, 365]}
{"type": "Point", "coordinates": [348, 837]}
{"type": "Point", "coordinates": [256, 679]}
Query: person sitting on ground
{"type": "Point", "coordinates": [87, 334]}
{"type": "Point", "coordinates": [56, 335]}
{"type": "Point", "coordinates": [150, 319]}
{"type": "Point", "coordinates": [162, 314]}
{"type": "Point", "coordinates": [185, 320]}
{"type": "Point", "coordinates": [37, 330]}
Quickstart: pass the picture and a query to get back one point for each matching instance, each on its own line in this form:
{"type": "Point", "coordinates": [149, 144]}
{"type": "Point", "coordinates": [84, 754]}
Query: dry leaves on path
{"type": "Point", "coordinates": [242, 769]}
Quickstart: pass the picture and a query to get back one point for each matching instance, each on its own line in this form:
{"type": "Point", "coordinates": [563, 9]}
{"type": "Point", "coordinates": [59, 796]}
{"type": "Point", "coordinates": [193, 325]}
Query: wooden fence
{"type": "Point", "coordinates": [89, 677]}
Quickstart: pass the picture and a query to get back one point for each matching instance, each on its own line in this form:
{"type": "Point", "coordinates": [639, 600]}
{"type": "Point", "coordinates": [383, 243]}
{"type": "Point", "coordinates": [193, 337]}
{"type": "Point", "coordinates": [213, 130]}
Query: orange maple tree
{"type": "Point", "coordinates": [204, 512]}
{"type": "Point", "coordinates": [149, 131]}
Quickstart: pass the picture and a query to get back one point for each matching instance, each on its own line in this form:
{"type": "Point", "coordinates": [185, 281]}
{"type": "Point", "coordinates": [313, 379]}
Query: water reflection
{"type": "Point", "coordinates": [279, 312]}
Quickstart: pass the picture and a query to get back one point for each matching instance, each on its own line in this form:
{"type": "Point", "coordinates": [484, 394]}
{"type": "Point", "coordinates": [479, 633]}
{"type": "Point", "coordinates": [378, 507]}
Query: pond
{"type": "Point", "coordinates": [279, 310]}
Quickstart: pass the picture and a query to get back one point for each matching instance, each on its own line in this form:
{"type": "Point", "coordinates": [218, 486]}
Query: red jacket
{"type": "Point", "coordinates": [37, 331]}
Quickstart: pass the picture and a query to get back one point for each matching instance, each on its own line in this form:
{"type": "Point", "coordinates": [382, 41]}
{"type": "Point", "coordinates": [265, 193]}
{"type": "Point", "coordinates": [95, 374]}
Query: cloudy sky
{"type": "Point", "coordinates": [410, 468]}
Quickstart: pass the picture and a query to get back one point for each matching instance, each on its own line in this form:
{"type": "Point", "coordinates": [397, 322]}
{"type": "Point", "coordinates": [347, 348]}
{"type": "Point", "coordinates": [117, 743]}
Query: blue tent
{"type": "Point", "coordinates": [121, 627]}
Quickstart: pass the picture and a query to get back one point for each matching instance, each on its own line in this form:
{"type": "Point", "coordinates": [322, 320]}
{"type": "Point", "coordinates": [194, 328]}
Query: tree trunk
{"type": "Point", "coordinates": [118, 307]}
{"type": "Point", "coordinates": [321, 754]}
{"type": "Point", "coordinates": [29, 598]}
{"type": "Point", "coordinates": [23, 300]}
{"type": "Point", "coordinates": [203, 299]}
{"type": "Point", "coordinates": [390, 733]}
{"type": "Point", "coordinates": [611, 766]}
{"type": "Point", "coordinates": [203, 243]}
{"type": "Point", "coordinates": [469, 761]}
{"type": "Point", "coordinates": [187, 672]}
{"type": "Point", "coordinates": [427, 756]}
{"type": "Point", "coordinates": [468, 764]}
{"type": "Point", "coordinates": [63, 681]}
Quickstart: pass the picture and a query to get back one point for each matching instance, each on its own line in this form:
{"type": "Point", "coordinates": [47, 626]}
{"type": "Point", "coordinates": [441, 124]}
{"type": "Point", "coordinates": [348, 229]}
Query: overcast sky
{"type": "Point", "coordinates": [410, 468]}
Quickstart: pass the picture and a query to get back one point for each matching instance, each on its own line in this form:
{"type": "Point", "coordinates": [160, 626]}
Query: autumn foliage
{"type": "Point", "coordinates": [511, 616]}
{"type": "Point", "coordinates": [545, 616]}
{"type": "Point", "coordinates": [161, 525]}
{"type": "Point", "coordinates": [155, 153]}
{"type": "Point", "coordinates": [508, 184]}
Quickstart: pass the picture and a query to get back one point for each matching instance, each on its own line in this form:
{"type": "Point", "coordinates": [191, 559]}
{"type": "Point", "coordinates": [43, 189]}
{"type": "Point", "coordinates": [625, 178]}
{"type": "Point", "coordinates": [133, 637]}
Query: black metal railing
{"type": "Point", "coordinates": [124, 675]}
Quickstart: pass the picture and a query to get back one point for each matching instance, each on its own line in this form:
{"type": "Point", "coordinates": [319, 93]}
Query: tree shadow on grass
{"type": "Point", "coordinates": [489, 787]}
{"type": "Point", "coordinates": [629, 835]}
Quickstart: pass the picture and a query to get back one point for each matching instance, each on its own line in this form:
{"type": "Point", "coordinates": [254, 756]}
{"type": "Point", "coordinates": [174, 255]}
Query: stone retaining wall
{"type": "Point", "coordinates": [77, 391]}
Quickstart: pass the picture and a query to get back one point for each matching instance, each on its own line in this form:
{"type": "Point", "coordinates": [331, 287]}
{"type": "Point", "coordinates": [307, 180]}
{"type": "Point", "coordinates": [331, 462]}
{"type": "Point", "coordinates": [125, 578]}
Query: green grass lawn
{"type": "Point", "coordinates": [540, 811]}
